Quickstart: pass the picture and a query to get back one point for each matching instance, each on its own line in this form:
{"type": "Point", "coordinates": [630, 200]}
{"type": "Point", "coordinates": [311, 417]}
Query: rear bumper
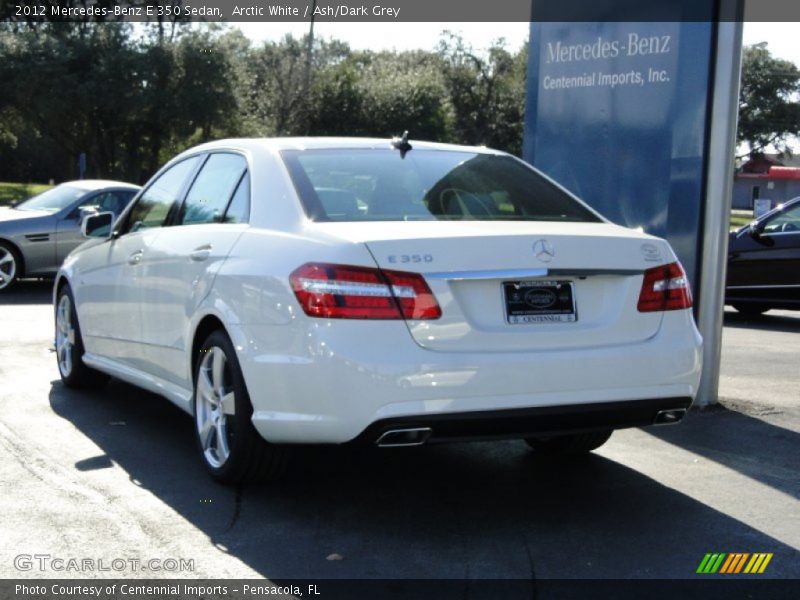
{"type": "Point", "coordinates": [528, 422]}
{"type": "Point", "coordinates": [330, 381]}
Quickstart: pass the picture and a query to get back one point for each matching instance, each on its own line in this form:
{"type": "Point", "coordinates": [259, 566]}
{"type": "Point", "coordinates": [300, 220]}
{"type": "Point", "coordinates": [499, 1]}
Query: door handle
{"type": "Point", "coordinates": [135, 258]}
{"type": "Point", "coordinates": [200, 253]}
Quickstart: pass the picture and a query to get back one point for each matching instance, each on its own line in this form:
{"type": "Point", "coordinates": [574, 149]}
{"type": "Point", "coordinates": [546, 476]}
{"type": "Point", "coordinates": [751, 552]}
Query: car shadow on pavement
{"type": "Point", "coordinates": [28, 291]}
{"type": "Point", "coordinates": [465, 511]}
{"type": "Point", "coordinates": [767, 322]}
{"type": "Point", "coordinates": [763, 452]}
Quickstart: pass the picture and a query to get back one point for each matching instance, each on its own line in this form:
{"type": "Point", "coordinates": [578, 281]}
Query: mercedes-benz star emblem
{"type": "Point", "coordinates": [543, 250]}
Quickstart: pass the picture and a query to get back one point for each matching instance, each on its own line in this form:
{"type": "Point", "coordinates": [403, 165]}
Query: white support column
{"type": "Point", "coordinates": [719, 188]}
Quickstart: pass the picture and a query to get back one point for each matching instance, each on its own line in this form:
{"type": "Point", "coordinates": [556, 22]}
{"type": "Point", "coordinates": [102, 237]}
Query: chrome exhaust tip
{"type": "Point", "coordinates": [669, 416]}
{"type": "Point", "coordinates": [395, 438]}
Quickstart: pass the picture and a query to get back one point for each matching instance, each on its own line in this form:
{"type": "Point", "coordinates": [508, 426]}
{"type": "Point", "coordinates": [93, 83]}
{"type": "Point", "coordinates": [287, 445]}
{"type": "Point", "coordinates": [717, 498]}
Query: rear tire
{"type": "Point", "coordinates": [572, 444]}
{"type": "Point", "coordinates": [231, 449]}
{"type": "Point", "coordinates": [10, 266]}
{"type": "Point", "coordinates": [751, 310]}
{"type": "Point", "coordinates": [69, 346]}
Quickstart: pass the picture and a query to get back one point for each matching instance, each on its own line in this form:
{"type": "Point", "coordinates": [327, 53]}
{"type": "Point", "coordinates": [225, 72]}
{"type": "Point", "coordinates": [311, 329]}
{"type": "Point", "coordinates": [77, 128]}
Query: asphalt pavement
{"type": "Point", "coordinates": [113, 474]}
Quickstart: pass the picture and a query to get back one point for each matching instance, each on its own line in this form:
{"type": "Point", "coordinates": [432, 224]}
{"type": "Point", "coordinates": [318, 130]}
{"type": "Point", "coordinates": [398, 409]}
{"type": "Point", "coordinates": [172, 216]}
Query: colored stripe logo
{"type": "Point", "coordinates": [734, 563]}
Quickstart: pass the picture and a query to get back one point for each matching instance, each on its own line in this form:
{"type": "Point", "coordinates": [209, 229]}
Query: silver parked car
{"type": "Point", "coordinates": [37, 234]}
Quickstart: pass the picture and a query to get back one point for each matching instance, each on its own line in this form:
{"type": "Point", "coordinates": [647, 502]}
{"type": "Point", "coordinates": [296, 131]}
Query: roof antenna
{"type": "Point", "coordinates": [401, 143]}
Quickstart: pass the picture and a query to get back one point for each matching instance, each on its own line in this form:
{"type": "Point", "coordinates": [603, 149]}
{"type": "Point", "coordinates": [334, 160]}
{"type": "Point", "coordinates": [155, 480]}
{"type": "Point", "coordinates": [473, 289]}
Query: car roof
{"type": "Point", "coordinates": [322, 143]}
{"type": "Point", "coordinates": [97, 184]}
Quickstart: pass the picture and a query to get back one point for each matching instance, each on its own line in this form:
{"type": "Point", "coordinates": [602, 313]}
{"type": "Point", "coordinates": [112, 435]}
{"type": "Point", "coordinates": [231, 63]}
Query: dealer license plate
{"type": "Point", "coordinates": [539, 301]}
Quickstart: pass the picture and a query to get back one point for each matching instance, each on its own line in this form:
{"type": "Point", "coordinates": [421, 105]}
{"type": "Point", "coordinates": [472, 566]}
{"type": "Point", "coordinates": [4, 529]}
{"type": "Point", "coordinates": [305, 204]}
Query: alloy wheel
{"type": "Point", "coordinates": [65, 335]}
{"type": "Point", "coordinates": [215, 406]}
{"type": "Point", "coordinates": [8, 267]}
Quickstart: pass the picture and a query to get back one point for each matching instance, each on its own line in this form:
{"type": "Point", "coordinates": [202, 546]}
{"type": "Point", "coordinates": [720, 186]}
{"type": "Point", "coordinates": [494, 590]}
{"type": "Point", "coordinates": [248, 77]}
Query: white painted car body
{"type": "Point", "coordinates": [327, 380]}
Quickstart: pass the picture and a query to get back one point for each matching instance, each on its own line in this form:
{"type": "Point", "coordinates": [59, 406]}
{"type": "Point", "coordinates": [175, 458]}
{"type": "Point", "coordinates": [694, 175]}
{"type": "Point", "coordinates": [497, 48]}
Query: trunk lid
{"type": "Point", "coordinates": [466, 265]}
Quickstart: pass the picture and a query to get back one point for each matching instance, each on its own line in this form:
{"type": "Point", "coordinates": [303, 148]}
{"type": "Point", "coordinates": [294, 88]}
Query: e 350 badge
{"type": "Point", "coordinates": [409, 258]}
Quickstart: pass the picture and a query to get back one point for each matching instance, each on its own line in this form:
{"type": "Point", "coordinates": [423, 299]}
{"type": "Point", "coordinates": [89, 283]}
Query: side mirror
{"type": "Point", "coordinates": [755, 228]}
{"type": "Point", "coordinates": [756, 231]}
{"type": "Point", "coordinates": [97, 225]}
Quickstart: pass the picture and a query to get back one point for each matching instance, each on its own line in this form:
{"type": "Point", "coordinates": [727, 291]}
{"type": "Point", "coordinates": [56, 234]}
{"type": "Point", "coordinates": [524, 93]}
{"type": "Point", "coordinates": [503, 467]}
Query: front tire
{"type": "Point", "coordinates": [69, 346]}
{"type": "Point", "coordinates": [10, 266]}
{"type": "Point", "coordinates": [572, 444]}
{"type": "Point", "coordinates": [231, 449]}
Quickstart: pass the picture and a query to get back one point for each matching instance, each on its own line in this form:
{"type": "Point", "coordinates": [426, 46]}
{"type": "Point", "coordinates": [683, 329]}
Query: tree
{"type": "Point", "coordinates": [132, 98]}
{"type": "Point", "coordinates": [69, 86]}
{"type": "Point", "coordinates": [487, 92]}
{"type": "Point", "coordinates": [404, 92]}
{"type": "Point", "coordinates": [130, 102]}
{"type": "Point", "coordinates": [381, 95]}
{"type": "Point", "coordinates": [769, 110]}
{"type": "Point", "coordinates": [338, 100]}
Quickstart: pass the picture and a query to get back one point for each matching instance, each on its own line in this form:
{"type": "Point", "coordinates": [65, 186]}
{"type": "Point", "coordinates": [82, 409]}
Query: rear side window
{"type": "Point", "coordinates": [379, 185]}
{"type": "Point", "coordinates": [212, 189]}
{"type": "Point", "coordinates": [153, 207]}
{"type": "Point", "coordinates": [239, 208]}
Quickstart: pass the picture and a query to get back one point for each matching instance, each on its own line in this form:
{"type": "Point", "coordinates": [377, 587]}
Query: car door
{"type": "Point", "coordinates": [767, 265]}
{"type": "Point", "coordinates": [185, 258]}
{"type": "Point", "coordinates": [107, 296]}
{"type": "Point", "coordinates": [68, 226]}
{"type": "Point", "coordinates": [111, 281]}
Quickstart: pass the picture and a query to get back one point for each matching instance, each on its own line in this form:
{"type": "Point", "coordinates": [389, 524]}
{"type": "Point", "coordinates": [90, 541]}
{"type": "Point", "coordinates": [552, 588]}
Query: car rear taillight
{"type": "Point", "coordinates": [346, 292]}
{"type": "Point", "coordinates": [665, 288]}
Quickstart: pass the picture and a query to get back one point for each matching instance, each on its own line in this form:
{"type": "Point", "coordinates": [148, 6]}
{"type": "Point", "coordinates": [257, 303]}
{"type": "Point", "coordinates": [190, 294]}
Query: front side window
{"type": "Point", "coordinates": [153, 207]}
{"type": "Point", "coordinates": [787, 221]}
{"type": "Point", "coordinates": [380, 185]}
{"type": "Point", "coordinates": [212, 189]}
{"type": "Point", "coordinates": [114, 201]}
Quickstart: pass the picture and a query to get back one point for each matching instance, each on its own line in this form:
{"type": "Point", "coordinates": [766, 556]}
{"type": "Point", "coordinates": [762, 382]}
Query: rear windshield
{"type": "Point", "coordinates": [426, 185]}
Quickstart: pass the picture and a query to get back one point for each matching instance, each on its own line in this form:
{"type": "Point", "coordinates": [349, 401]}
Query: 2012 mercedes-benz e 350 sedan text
{"type": "Point", "coordinates": [289, 291]}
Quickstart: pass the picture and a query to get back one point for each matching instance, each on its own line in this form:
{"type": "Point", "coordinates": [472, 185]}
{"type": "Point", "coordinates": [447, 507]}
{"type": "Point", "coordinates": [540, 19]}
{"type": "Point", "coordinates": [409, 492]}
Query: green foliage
{"type": "Point", "coordinates": [14, 192]}
{"type": "Point", "coordinates": [487, 93]}
{"type": "Point", "coordinates": [739, 220]}
{"type": "Point", "coordinates": [129, 102]}
{"type": "Point", "coordinates": [404, 92]}
{"type": "Point", "coordinates": [275, 94]}
{"type": "Point", "coordinates": [381, 95]}
{"type": "Point", "coordinates": [132, 98]}
{"type": "Point", "coordinates": [338, 101]}
{"type": "Point", "coordinates": [769, 110]}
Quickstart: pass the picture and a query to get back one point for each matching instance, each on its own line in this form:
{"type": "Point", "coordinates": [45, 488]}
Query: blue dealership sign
{"type": "Point", "coordinates": [638, 118]}
{"type": "Point", "coordinates": [617, 113]}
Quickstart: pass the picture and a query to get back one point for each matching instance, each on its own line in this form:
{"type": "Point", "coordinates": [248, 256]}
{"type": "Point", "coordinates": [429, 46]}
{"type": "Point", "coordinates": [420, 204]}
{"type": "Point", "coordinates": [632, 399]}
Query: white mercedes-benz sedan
{"type": "Point", "coordinates": [292, 291]}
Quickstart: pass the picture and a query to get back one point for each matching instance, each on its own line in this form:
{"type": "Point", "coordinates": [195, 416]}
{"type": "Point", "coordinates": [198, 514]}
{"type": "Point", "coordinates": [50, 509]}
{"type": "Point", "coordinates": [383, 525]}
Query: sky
{"type": "Point", "coordinates": [781, 38]}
